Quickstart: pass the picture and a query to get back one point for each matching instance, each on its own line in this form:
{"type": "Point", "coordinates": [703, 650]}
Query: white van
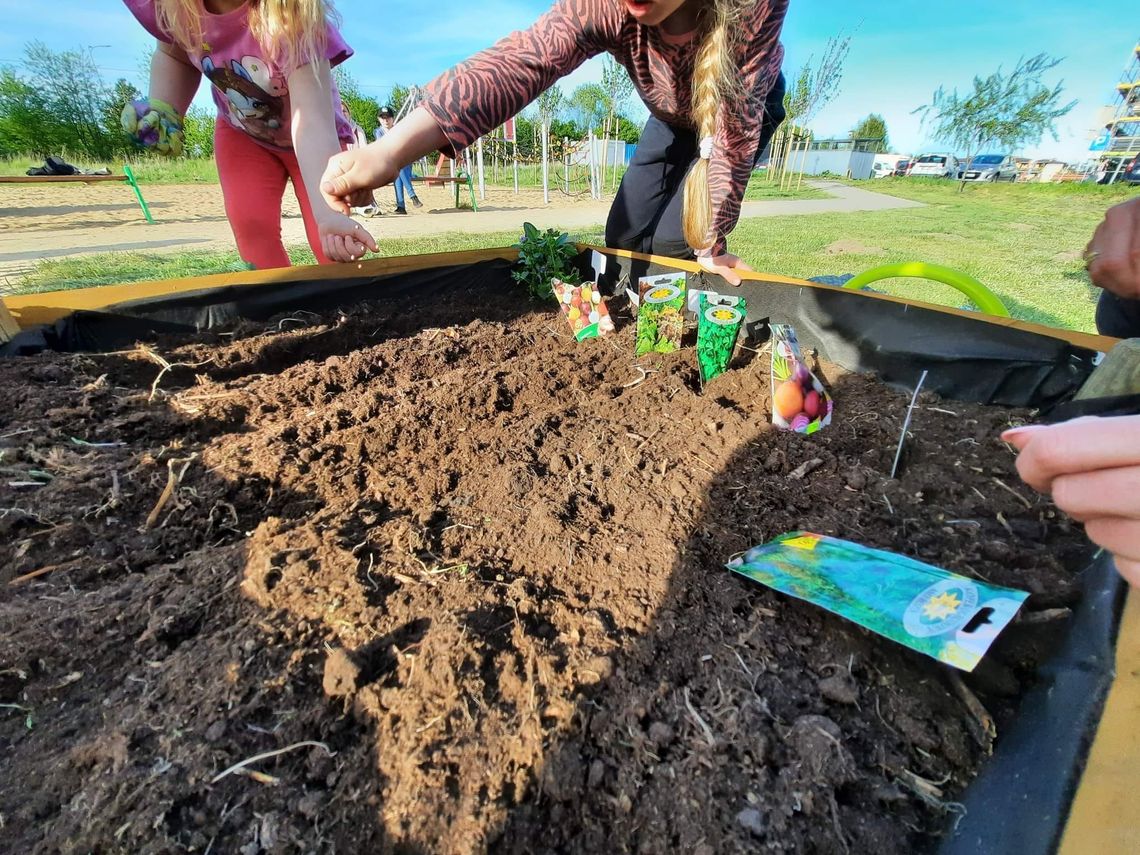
{"type": "Point", "coordinates": [936, 166]}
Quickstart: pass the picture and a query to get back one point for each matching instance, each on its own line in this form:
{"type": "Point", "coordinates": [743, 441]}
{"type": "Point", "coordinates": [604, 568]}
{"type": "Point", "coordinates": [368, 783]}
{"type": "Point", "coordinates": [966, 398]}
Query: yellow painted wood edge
{"type": "Point", "coordinates": [8, 325]}
{"type": "Point", "coordinates": [1103, 818]}
{"type": "Point", "coordinates": [1091, 341]}
{"type": "Point", "coordinates": [47, 307]}
{"type": "Point", "coordinates": [59, 179]}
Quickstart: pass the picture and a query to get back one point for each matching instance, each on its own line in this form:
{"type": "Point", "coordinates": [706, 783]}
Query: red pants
{"type": "Point", "coordinates": [253, 184]}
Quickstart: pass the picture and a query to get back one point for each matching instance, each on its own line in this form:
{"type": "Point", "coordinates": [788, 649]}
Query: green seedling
{"type": "Point", "coordinates": [543, 256]}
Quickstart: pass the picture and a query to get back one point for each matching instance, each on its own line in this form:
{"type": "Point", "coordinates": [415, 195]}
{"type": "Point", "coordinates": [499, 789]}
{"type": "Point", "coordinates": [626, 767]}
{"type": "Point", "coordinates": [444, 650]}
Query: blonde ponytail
{"type": "Point", "coordinates": [715, 80]}
{"type": "Point", "coordinates": [290, 32]}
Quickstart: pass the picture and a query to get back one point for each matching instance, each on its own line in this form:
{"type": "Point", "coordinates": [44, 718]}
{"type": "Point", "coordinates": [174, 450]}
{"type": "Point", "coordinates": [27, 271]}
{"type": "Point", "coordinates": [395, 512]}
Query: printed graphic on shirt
{"type": "Point", "coordinates": [255, 97]}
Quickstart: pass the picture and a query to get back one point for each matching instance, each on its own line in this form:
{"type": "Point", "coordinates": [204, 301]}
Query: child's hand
{"type": "Point", "coordinates": [723, 265]}
{"type": "Point", "coordinates": [153, 124]}
{"type": "Point", "coordinates": [342, 238]}
{"type": "Point", "coordinates": [351, 175]}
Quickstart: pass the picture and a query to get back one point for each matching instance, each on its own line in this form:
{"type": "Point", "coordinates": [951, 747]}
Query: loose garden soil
{"type": "Point", "coordinates": [467, 577]}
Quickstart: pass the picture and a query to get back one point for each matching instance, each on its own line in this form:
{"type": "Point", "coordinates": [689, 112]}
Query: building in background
{"type": "Point", "coordinates": [1117, 136]}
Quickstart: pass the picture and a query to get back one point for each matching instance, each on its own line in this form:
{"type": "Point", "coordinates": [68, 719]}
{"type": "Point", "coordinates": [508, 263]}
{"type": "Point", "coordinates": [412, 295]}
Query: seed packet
{"type": "Point", "coordinates": [660, 315]}
{"type": "Point", "coordinates": [719, 318]}
{"type": "Point", "coordinates": [584, 309]}
{"type": "Point", "coordinates": [949, 617]}
{"type": "Point", "coordinates": [799, 401]}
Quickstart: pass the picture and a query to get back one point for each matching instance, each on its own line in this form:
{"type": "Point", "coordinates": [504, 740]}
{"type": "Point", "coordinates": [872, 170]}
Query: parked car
{"type": "Point", "coordinates": [989, 167]}
{"type": "Point", "coordinates": [903, 169]}
{"type": "Point", "coordinates": [936, 166]}
{"type": "Point", "coordinates": [1131, 172]}
{"type": "Point", "coordinates": [885, 168]}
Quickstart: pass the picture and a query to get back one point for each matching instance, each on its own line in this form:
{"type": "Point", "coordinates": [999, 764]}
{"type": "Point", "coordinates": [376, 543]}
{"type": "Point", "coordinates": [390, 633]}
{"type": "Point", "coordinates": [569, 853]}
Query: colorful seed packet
{"type": "Point", "coordinates": [660, 314]}
{"type": "Point", "coordinates": [719, 318]}
{"type": "Point", "coordinates": [799, 401]}
{"type": "Point", "coordinates": [584, 309]}
{"type": "Point", "coordinates": [941, 614]}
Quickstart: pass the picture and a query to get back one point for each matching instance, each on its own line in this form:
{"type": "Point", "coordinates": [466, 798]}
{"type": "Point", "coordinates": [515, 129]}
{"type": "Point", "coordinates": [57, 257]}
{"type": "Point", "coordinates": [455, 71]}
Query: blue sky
{"type": "Point", "coordinates": [898, 57]}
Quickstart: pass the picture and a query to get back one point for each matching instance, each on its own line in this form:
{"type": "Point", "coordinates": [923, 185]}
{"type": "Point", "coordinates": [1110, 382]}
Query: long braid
{"type": "Point", "coordinates": [715, 80]}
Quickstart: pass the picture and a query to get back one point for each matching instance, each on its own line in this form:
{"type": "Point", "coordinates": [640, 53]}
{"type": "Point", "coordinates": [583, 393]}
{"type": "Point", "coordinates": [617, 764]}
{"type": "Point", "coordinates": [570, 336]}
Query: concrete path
{"type": "Point", "coordinates": [70, 220]}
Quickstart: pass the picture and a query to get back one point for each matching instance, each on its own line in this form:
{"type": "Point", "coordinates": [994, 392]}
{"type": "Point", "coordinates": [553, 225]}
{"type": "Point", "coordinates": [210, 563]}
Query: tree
{"type": "Point", "coordinates": [588, 105]}
{"type": "Point", "coordinates": [198, 132]}
{"type": "Point", "coordinates": [816, 85]}
{"type": "Point", "coordinates": [616, 87]}
{"type": "Point", "coordinates": [399, 95]}
{"type": "Point", "coordinates": [76, 97]}
{"type": "Point", "coordinates": [121, 94]}
{"type": "Point", "coordinates": [362, 108]}
{"type": "Point", "coordinates": [874, 127]}
{"type": "Point", "coordinates": [1004, 111]}
{"type": "Point", "coordinates": [26, 124]}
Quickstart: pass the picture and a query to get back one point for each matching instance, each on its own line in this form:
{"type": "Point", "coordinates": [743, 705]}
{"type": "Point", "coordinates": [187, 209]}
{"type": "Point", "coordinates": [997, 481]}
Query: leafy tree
{"type": "Point", "coordinates": [198, 129]}
{"type": "Point", "coordinates": [362, 108]}
{"type": "Point", "coordinates": [627, 131]}
{"type": "Point", "coordinates": [588, 105]}
{"type": "Point", "coordinates": [617, 87]}
{"type": "Point", "coordinates": [399, 95]}
{"type": "Point", "coordinates": [1006, 111]}
{"type": "Point", "coordinates": [27, 126]}
{"type": "Point", "coordinates": [76, 96]}
{"type": "Point", "coordinates": [873, 127]}
{"type": "Point", "coordinates": [121, 93]}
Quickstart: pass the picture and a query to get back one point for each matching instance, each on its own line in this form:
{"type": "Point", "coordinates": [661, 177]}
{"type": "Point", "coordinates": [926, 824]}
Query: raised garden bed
{"type": "Point", "coordinates": [480, 564]}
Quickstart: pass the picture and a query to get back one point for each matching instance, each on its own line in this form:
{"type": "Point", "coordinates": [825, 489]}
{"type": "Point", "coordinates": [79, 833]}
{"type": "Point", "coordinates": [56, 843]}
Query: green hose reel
{"type": "Point", "coordinates": [979, 294]}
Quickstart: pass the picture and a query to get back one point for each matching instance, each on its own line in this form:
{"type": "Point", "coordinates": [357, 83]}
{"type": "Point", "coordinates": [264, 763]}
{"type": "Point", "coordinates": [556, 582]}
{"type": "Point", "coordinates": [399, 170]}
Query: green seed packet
{"type": "Point", "coordinates": [660, 313]}
{"type": "Point", "coordinates": [719, 318]}
{"type": "Point", "coordinates": [946, 616]}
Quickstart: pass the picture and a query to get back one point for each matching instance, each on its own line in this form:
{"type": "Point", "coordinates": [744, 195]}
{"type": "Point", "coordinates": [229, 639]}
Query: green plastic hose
{"type": "Point", "coordinates": [979, 294]}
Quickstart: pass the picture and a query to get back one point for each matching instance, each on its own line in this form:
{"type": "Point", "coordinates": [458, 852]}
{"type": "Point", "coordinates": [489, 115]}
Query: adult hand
{"type": "Point", "coordinates": [1091, 467]}
{"type": "Point", "coordinates": [342, 238]}
{"type": "Point", "coordinates": [724, 265]}
{"type": "Point", "coordinates": [1113, 254]}
{"type": "Point", "coordinates": [350, 177]}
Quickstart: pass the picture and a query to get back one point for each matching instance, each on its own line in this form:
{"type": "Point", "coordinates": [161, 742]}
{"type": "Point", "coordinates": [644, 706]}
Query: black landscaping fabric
{"type": "Point", "coordinates": [1019, 802]}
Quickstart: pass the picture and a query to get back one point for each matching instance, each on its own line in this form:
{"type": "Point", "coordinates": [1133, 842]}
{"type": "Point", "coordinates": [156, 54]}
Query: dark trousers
{"type": "Point", "coordinates": [646, 214]}
{"type": "Point", "coordinates": [1117, 316]}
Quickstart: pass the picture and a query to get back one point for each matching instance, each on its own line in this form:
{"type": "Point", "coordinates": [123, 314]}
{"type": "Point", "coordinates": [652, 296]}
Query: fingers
{"type": "Point", "coordinates": [1105, 493]}
{"type": "Point", "coordinates": [338, 181]}
{"type": "Point", "coordinates": [1114, 251]}
{"type": "Point", "coordinates": [1129, 569]}
{"type": "Point", "coordinates": [729, 275]}
{"type": "Point", "coordinates": [364, 237]}
{"type": "Point", "coordinates": [1119, 536]}
{"type": "Point", "coordinates": [1081, 445]}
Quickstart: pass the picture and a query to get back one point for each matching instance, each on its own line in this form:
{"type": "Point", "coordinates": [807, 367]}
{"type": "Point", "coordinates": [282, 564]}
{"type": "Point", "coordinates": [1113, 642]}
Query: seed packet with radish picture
{"type": "Point", "coordinates": [584, 309]}
{"type": "Point", "coordinates": [799, 401]}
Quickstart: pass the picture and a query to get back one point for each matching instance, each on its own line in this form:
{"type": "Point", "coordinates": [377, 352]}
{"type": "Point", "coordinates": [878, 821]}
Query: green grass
{"type": "Point", "coordinates": [150, 170]}
{"type": "Point", "coordinates": [120, 267]}
{"type": "Point", "coordinates": [1023, 241]}
{"type": "Point", "coordinates": [760, 188]}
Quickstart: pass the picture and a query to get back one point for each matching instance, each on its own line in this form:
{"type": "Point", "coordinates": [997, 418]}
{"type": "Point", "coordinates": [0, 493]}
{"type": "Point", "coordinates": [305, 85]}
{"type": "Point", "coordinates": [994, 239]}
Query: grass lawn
{"type": "Point", "coordinates": [760, 188]}
{"type": "Point", "coordinates": [112, 268]}
{"type": "Point", "coordinates": [1023, 241]}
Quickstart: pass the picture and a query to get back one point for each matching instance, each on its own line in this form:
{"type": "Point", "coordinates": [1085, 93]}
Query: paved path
{"type": "Point", "coordinates": [76, 221]}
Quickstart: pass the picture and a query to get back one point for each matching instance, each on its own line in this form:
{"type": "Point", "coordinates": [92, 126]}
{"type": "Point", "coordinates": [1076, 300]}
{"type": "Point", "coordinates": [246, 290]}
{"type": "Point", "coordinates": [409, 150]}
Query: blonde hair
{"type": "Point", "coordinates": [715, 80]}
{"type": "Point", "coordinates": [291, 32]}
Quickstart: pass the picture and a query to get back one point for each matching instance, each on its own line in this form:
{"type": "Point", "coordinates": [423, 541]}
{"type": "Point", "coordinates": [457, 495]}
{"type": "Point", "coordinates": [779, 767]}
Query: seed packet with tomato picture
{"type": "Point", "coordinates": [799, 401]}
{"type": "Point", "coordinates": [584, 309]}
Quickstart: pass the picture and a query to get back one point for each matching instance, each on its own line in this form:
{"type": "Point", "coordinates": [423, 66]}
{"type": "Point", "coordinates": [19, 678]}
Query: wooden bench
{"type": "Point", "coordinates": [128, 176]}
{"type": "Point", "coordinates": [439, 179]}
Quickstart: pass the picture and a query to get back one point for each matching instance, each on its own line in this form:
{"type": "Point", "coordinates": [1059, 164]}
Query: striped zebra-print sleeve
{"type": "Point", "coordinates": [738, 124]}
{"type": "Point", "coordinates": [481, 93]}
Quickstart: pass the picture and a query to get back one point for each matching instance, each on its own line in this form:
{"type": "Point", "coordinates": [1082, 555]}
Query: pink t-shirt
{"type": "Point", "coordinates": [251, 92]}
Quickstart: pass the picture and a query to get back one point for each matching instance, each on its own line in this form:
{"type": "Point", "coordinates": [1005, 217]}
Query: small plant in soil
{"type": "Point", "coordinates": [543, 256]}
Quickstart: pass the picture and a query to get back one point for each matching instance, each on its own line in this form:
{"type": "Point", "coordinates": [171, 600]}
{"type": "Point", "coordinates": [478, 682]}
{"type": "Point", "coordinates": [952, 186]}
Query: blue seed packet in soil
{"type": "Point", "coordinates": [946, 616]}
{"type": "Point", "coordinates": [660, 313]}
{"type": "Point", "coordinates": [799, 401]}
{"type": "Point", "coordinates": [719, 318]}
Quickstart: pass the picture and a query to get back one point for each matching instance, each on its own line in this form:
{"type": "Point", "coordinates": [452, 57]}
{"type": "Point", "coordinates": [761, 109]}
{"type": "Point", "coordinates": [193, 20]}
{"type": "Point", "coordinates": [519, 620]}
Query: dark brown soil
{"type": "Point", "coordinates": [483, 570]}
